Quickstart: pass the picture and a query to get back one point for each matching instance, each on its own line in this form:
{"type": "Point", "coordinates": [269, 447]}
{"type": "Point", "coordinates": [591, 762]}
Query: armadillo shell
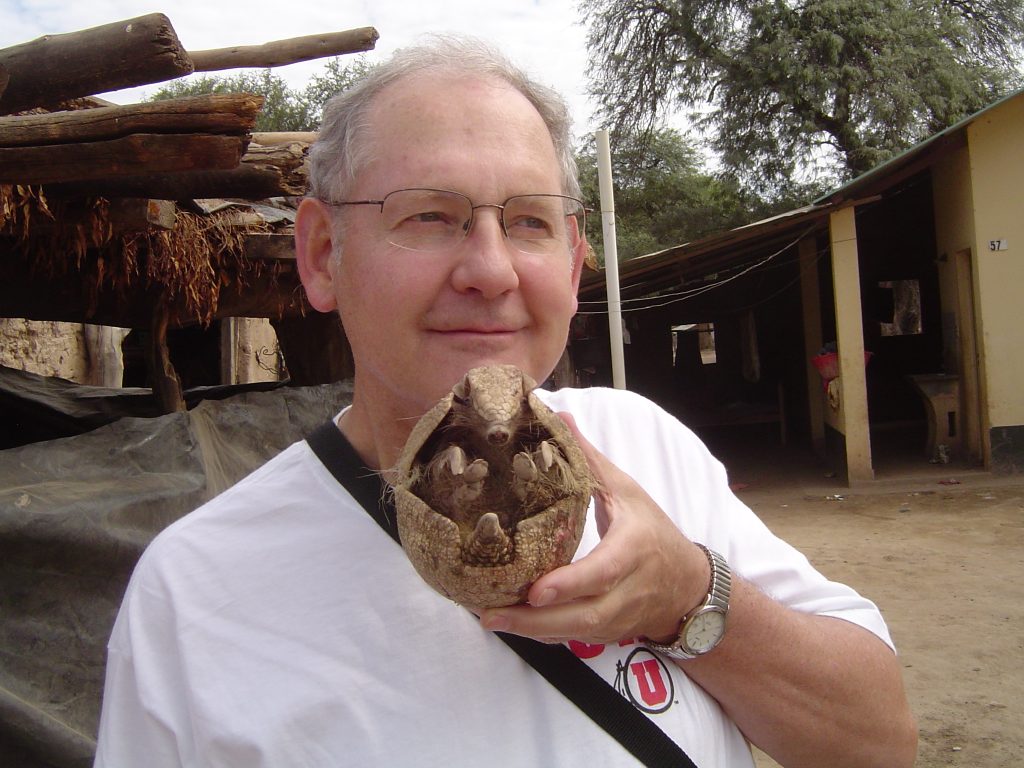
{"type": "Point", "coordinates": [543, 541]}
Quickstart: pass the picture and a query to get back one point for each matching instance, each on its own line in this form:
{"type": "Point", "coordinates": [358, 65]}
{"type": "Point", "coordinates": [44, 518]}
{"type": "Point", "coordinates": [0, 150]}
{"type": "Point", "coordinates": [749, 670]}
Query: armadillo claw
{"type": "Point", "coordinates": [481, 532]}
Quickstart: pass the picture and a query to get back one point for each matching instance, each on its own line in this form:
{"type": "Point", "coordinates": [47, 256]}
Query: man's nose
{"type": "Point", "coordinates": [486, 260]}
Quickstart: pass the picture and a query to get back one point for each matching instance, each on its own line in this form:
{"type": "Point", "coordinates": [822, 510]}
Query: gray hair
{"type": "Point", "coordinates": [342, 147]}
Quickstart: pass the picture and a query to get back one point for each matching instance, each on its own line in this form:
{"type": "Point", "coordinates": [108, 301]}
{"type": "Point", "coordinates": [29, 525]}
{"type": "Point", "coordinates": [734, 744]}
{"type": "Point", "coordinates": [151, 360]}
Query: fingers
{"type": "Point", "coordinates": [639, 580]}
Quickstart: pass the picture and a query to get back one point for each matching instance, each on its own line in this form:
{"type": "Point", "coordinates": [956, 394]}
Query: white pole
{"type": "Point", "coordinates": [611, 258]}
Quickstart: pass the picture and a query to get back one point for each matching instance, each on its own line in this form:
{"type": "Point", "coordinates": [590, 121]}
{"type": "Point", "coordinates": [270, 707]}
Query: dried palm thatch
{"type": "Point", "coordinates": [63, 236]}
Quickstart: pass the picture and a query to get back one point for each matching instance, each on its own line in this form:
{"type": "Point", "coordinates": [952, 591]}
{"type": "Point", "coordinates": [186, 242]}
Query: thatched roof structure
{"type": "Point", "coordinates": [105, 210]}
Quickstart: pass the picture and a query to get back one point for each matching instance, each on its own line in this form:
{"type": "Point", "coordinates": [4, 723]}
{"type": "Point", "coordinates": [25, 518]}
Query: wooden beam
{"type": "Point", "coordinates": [852, 383]}
{"type": "Point", "coordinates": [214, 113]}
{"type": "Point", "coordinates": [270, 247]}
{"type": "Point", "coordinates": [270, 293]}
{"type": "Point", "coordinates": [264, 172]}
{"type": "Point", "coordinates": [245, 181]}
{"type": "Point", "coordinates": [54, 68]}
{"type": "Point", "coordinates": [165, 380]}
{"type": "Point", "coordinates": [281, 52]}
{"type": "Point", "coordinates": [132, 214]}
{"type": "Point", "coordinates": [271, 138]}
{"type": "Point", "coordinates": [127, 156]}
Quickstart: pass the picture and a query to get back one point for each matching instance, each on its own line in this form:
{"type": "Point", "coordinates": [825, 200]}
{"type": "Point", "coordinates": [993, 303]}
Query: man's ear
{"type": "Point", "coordinates": [579, 256]}
{"type": "Point", "coordinates": [314, 252]}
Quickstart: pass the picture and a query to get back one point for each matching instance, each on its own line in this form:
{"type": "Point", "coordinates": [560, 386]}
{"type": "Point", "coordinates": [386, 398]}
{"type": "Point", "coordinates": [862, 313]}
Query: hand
{"type": "Point", "coordinates": [640, 580]}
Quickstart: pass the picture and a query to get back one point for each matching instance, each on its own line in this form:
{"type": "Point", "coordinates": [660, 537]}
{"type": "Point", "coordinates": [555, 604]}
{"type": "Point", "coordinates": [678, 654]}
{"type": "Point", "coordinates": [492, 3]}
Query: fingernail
{"type": "Point", "coordinates": [546, 598]}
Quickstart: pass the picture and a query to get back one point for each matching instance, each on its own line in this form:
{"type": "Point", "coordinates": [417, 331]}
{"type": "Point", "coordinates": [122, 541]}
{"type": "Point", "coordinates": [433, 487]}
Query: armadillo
{"type": "Point", "coordinates": [491, 490]}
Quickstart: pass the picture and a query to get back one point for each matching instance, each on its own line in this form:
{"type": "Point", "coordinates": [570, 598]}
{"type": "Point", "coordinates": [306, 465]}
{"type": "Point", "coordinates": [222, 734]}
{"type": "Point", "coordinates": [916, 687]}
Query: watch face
{"type": "Point", "coordinates": [704, 631]}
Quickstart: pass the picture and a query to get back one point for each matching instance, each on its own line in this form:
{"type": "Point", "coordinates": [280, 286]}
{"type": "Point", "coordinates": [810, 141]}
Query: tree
{"type": "Point", "coordinates": [663, 197]}
{"type": "Point", "coordinates": [782, 88]}
{"type": "Point", "coordinates": [283, 109]}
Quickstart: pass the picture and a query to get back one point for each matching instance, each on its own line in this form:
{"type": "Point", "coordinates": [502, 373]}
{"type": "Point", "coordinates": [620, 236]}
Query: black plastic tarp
{"type": "Point", "coordinates": [75, 515]}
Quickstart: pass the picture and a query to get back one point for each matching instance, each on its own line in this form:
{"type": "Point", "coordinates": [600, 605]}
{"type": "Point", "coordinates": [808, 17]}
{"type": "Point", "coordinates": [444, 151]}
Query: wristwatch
{"type": "Point", "coordinates": [704, 628]}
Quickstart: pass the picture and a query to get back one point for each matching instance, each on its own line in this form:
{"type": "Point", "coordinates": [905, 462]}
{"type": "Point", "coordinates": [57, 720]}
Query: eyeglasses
{"type": "Point", "coordinates": [437, 219]}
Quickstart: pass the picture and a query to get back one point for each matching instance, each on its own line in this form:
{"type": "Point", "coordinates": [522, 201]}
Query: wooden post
{"type": "Point", "coordinates": [810, 300]}
{"type": "Point", "coordinates": [852, 382]}
{"type": "Point", "coordinates": [166, 384]}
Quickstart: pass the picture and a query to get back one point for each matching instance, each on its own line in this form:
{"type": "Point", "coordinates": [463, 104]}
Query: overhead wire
{"type": "Point", "coordinates": [656, 302]}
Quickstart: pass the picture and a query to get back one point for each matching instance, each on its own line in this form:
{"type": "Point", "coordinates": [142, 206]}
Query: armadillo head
{"type": "Point", "coordinates": [497, 396]}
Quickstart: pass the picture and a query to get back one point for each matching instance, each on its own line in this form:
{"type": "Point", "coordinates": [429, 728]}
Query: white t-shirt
{"type": "Point", "coordinates": [278, 625]}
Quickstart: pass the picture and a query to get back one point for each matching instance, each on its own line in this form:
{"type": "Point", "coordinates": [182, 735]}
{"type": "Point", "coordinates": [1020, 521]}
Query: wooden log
{"type": "Point", "coordinates": [245, 181]}
{"type": "Point", "coordinates": [263, 172]}
{"type": "Point", "coordinates": [166, 383]}
{"type": "Point", "coordinates": [127, 156]}
{"type": "Point", "coordinates": [124, 54]}
{"type": "Point", "coordinates": [270, 247]}
{"type": "Point", "coordinates": [133, 214]}
{"type": "Point", "coordinates": [273, 138]}
{"type": "Point", "coordinates": [281, 52]}
{"type": "Point", "coordinates": [214, 113]}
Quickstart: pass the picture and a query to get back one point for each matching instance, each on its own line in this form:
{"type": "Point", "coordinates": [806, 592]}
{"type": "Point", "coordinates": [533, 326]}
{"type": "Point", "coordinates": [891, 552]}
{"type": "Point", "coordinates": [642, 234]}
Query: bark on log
{"type": "Point", "coordinates": [263, 172]}
{"type": "Point", "coordinates": [133, 214]}
{"type": "Point", "coordinates": [124, 54]}
{"type": "Point", "coordinates": [166, 383]}
{"type": "Point", "coordinates": [215, 113]}
{"type": "Point", "coordinates": [128, 156]}
{"type": "Point", "coordinates": [270, 247]}
{"type": "Point", "coordinates": [245, 182]}
{"type": "Point", "coordinates": [103, 352]}
{"type": "Point", "coordinates": [281, 52]}
{"type": "Point", "coordinates": [273, 138]}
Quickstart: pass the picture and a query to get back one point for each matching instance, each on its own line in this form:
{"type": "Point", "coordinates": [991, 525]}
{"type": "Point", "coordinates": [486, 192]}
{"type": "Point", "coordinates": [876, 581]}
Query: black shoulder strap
{"type": "Point", "coordinates": [366, 486]}
{"type": "Point", "coordinates": [556, 663]}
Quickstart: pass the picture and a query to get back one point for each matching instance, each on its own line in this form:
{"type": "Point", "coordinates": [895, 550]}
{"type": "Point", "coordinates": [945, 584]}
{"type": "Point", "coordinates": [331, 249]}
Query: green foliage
{"type": "Point", "coordinates": [283, 109]}
{"type": "Point", "coordinates": [663, 198]}
{"type": "Point", "coordinates": [820, 88]}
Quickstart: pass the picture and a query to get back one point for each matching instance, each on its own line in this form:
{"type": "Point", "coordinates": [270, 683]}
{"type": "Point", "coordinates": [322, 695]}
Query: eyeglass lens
{"type": "Point", "coordinates": [431, 220]}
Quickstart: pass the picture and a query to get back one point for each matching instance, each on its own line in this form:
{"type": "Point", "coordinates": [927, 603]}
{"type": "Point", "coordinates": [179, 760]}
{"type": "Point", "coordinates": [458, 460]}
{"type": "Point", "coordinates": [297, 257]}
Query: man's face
{"type": "Point", "coordinates": [417, 321]}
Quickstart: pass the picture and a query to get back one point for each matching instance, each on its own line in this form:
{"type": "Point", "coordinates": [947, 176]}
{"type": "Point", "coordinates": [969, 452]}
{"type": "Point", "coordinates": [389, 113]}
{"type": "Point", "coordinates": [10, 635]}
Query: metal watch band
{"type": "Point", "coordinates": [717, 599]}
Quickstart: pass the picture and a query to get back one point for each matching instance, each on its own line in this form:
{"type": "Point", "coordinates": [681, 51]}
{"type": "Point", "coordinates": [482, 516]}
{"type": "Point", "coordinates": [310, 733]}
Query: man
{"type": "Point", "coordinates": [278, 625]}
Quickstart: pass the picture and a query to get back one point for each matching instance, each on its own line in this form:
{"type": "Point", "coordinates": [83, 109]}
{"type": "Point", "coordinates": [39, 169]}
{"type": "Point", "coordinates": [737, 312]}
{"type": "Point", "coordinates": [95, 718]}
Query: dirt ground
{"type": "Point", "coordinates": [941, 551]}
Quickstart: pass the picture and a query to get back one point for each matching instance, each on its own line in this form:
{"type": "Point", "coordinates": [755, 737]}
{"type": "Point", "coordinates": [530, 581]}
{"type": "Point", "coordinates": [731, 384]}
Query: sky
{"type": "Point", "coordinates": [544, 37]}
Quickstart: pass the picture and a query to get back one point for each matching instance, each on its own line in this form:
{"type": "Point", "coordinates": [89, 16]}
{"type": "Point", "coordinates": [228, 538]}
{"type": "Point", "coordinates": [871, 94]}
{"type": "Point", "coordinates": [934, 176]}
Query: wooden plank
{"type": "Point", "coordinates": [127, 156]}
{"type": "Point", "coordinates": [270, 247]}
{"type": "Point", "coordinates": [281, 52]}
{"type": "Point", "coordinates": [124, 54]}
{"type": "Point", "coordinates": [852, 383]}
{"type": "Point", "coordinates": [214, 113]}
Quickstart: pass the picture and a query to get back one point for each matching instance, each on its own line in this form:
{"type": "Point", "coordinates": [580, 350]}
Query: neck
{"type": "Point", "coordinates": [376, 434]}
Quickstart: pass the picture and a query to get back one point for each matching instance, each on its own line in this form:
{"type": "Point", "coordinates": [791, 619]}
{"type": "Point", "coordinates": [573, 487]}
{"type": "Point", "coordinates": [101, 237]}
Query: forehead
{"type": "Point", "coordinates": [447, 129]}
